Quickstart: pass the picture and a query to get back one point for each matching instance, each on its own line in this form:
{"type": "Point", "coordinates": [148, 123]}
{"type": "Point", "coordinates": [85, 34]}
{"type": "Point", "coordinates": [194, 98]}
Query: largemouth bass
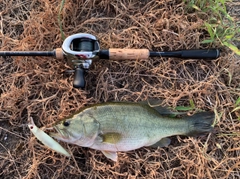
{"type": "Point", "coordinates": [123, 126]}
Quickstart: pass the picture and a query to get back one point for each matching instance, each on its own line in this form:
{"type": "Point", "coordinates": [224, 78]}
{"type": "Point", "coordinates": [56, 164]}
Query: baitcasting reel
{"type": "Point", "coordinates": [80, 49]}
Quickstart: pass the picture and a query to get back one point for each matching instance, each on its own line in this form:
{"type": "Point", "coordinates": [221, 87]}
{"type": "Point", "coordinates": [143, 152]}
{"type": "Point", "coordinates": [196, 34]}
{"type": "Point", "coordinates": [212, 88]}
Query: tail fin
{"type": "Point", "coordinates": [201, 123]}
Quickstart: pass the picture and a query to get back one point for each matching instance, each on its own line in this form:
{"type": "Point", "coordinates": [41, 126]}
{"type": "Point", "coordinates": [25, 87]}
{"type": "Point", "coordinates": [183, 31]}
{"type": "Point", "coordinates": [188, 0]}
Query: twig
{"type": "Point", "coordinates": [13, 133]}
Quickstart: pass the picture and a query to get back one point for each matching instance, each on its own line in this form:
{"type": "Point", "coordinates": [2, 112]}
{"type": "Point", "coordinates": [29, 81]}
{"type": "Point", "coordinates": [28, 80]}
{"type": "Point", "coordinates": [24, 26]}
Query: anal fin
{"type": "Point", "coordinates": [164, 142]}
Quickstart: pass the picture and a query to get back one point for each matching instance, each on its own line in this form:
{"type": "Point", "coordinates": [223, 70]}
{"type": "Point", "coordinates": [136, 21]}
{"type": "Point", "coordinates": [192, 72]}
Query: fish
{"type": "Point", "coordinates": [114, 127]}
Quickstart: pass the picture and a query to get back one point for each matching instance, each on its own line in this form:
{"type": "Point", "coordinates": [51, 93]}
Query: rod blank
{"type": "Point", "coordinates": [27, 53]}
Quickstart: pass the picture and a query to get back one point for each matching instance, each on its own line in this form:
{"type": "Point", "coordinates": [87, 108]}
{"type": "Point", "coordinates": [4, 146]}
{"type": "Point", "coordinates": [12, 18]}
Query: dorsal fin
{"type": "Point", "coordinates": [163, 110]}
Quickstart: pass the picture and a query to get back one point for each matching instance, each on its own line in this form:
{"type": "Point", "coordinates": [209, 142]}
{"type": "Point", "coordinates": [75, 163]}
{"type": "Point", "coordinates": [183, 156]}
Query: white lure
{"type": "Point", "coordinates": [46, 139]}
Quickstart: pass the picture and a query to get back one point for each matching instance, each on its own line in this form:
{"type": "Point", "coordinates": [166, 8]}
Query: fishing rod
{"type": "Point", "coordinates": [80, 49]}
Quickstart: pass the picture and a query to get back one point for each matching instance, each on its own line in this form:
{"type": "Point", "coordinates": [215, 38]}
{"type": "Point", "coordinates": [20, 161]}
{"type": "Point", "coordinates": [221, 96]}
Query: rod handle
{"type": "Point", "coordinates": [125, 54]}
{"type": "Point", "coordinates": [79, 81]}
{"type": "Point", "coordinates": [200, 54]}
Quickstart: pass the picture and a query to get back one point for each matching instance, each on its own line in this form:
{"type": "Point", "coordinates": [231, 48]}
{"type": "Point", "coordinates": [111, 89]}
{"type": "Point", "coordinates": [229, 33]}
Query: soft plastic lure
{"type": "Point", "coordinates": [46, 139]}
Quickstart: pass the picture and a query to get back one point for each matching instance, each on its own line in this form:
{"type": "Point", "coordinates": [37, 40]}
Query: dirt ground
{"type": "Point", "coordinates": [38, 87]}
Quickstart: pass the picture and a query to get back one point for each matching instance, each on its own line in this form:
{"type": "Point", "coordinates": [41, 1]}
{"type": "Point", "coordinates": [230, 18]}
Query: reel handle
{"type": "Point", "coordinates": [79, 80]}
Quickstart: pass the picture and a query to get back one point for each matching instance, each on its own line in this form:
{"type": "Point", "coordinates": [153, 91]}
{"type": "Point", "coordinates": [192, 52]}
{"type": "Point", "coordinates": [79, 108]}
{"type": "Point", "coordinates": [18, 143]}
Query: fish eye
{"type": "Point", "coordinates": [66, 123]}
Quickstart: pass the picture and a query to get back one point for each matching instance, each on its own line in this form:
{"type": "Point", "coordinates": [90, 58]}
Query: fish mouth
{"type": "Point", "coordinates": [59, 134]}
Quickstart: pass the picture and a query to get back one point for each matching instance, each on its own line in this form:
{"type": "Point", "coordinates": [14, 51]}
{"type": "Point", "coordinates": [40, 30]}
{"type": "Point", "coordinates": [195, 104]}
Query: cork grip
{"type": "Point", "coordinates": [59, 53]}
{"type": "Point", "coordinates": [128, 54]}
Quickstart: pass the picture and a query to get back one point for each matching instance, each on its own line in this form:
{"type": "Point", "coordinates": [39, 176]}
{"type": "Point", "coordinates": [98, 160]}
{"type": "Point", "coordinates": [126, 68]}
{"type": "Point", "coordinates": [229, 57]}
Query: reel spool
{"type": "Point", "coordinates": [80, 49]}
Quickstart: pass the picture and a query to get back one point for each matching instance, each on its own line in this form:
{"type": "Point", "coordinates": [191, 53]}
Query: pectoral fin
{"type": "Point", "coordinates": [164, 142]}
{"type": "Point", "coordinates": [111, 137]}
{"type": "Point", "coordinates": [111, 155]}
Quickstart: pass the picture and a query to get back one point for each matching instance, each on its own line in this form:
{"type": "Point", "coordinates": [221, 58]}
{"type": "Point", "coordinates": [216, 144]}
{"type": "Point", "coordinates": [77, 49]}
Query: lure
{"type": "Point", "coordinates": [46, 139]}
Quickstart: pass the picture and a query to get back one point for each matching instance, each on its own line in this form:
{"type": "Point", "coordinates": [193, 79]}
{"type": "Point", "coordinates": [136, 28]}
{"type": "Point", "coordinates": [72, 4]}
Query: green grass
{"type": "Point", "coordinates": [237, 106]}
{"type": "Point", "coordinates": [186, 108]}
{"type": "Point", "coordinates": [60, 19]}
{"type": "Point", "coordinates": [221, 27]}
